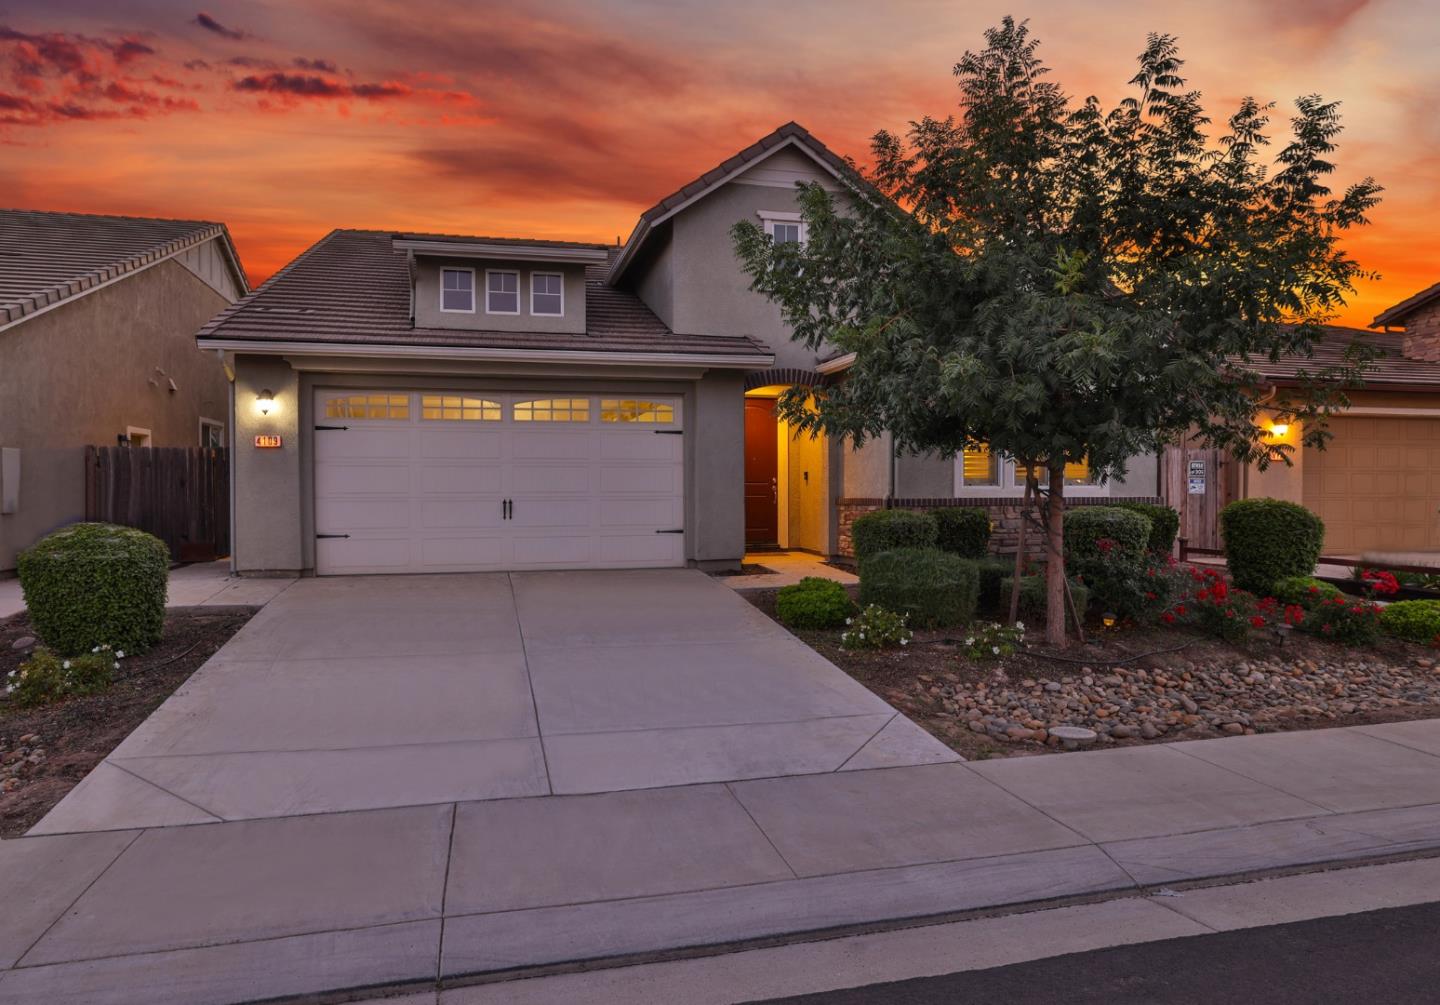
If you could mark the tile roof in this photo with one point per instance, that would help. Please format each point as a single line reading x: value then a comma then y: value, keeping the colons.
x: 1396, y: 315
x: 1391, y: 369
x: 49, y: 257
x: 353, y: 288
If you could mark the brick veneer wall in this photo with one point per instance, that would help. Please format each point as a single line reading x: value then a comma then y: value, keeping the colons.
x: 1004, y: 515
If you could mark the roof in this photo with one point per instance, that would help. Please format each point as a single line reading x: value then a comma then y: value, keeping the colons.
x: 352, y: 289
x: 790, y: 134
x: 1396, y: 315
x: 47, y: 258
x: 1390, y: 369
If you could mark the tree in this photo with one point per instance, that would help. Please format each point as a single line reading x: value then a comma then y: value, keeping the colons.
x: 1065, y: 283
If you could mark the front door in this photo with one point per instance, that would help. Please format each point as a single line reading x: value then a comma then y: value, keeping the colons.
x: 762, y: 491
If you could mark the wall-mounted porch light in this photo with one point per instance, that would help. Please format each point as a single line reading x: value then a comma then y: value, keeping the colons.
x: 1277, y: 429
x: 265, y: 402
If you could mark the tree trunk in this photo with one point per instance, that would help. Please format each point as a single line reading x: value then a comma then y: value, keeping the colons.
x: 1020, y: 552
x: 1055, y: 561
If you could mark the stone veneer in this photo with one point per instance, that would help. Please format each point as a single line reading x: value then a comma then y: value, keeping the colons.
x: 1422, y: 333
x: 1004, y: 517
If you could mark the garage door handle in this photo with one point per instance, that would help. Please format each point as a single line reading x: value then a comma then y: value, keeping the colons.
x: 319, y: 536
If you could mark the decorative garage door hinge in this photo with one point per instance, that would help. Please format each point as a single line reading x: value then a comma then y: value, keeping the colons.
x: 332, y: 427
x: 677, y: 530
x: 668, y: 432
x: 318, y: 536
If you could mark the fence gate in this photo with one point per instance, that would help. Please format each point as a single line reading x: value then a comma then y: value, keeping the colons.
x: 1199, y: 482
x: 179, y: 494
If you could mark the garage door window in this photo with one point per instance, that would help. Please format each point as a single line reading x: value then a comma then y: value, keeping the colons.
x: 553, y: 410
x: 638, y: 410
x: 456, y: 408
x: 368, y: 406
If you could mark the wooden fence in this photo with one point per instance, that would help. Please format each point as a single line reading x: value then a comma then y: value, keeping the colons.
x: 179, y: 494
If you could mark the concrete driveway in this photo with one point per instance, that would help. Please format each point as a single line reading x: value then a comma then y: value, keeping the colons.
x: 372, y: 692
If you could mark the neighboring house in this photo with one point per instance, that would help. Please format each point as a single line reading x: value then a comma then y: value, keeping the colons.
x: 417, y: 402
x: 97, y: 323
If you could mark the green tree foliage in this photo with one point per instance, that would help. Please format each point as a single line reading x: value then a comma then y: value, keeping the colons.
x: 1067, y: 282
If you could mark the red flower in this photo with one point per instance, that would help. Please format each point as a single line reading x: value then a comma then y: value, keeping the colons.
x: 1294, y: 614
x: 1169, y: 619
x: 1149, y: 595
x: 1180, y: 609
x: 1258, y: 621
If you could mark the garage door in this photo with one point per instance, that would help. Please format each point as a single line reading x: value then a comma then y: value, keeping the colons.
x: 428, y: 481
x: 1377, y: 485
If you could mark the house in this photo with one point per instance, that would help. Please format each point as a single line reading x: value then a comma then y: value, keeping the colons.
x: 427, y: 402
x: 97, y: 322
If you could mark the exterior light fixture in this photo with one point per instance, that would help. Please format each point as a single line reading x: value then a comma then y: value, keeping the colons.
x: 265, y: 401
x: 1279, y: 428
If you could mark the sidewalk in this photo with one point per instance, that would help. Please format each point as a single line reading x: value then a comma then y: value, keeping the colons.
x: 408, y: 897
x: 207, y: 584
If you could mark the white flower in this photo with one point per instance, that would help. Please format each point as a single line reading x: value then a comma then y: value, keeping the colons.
x: 95, y: 650
x: 849, y: 621
x: 120, y: 654
x: 904, y: 642
x: 970, y: 641
x: 995, y: 650
x: 1020, y: 625
x: 115, y: 666
x: 65, y: 665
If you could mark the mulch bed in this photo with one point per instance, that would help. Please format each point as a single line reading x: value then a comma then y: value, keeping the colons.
x: 45, y: 751
x: 1176, y: 684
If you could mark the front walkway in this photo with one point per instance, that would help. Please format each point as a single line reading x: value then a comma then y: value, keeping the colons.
x: 203, y: 584
x: 786, y: 568
x: 367, y: 692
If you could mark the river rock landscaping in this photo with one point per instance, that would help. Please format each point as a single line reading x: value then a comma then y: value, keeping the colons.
x: 1135, y: 686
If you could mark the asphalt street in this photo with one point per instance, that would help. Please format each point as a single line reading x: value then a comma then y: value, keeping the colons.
x: 1378, y: 956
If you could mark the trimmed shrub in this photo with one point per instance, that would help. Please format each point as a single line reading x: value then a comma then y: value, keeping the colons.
x: 94, y: 584
x: 1267, y: 540
x: 1105, y: 547
x: 1088, y: 528
x: 814, y: 602
x: 1346, y: 620
x: 993, y: 572
x: 933, y: 587
x: 888, y: 529
x: 1032, y: 596
x: 1412, y: 620
x: 1306, y: 591
x: 1164, y: 524
x: 962, y: 530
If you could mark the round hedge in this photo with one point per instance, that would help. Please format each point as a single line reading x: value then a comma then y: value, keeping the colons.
x: 94, y: 584
x: 888, y: 529
x: 962, y: 530
x: 933, y: 587
x: 1306, y: 591
x: 1267, y: 540
x: 813, y: 602
x: 1412, y: 620
x: 1164, y: 524
x: 1086, y: 526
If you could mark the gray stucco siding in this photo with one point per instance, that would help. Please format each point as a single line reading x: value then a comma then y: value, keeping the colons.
x: 274, y: 489
x: 427, y: 297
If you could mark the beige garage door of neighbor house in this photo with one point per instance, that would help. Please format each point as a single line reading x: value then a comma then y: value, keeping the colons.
x: 431, y: 481
x: 1377, y: 485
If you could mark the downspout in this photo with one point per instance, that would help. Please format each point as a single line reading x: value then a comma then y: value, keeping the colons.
x: 894, y: 472
x: 233, y: 440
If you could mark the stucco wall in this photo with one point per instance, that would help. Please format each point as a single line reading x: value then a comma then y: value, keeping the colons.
x: 656, y: 275
x: 427, y: 297
x: 712, y: 294
x: 274, y: 491
x: 80, y: 374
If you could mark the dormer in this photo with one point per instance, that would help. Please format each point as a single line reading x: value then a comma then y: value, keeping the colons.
x: 498, y: 284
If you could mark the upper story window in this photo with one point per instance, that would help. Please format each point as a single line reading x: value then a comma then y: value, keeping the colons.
x: 547, y: 294
x: 783, y: 228
x: 502, y: 292
x: 457, y: 291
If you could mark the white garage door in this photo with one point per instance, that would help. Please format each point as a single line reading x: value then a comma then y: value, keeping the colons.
x: 426, y: 481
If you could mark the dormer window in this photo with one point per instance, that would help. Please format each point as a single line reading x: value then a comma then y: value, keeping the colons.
x: 502, y: 292
x: 547, y: 294
x: 783, y: 228
x: 457, y: 291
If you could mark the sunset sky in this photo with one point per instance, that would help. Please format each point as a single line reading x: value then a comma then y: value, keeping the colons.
x: 563, y: 119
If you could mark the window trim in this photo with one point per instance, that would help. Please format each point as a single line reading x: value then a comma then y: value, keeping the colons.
x: 456, y: 310
x: 212, y: 422
x: 547, y: 314
x: 768, y: 219
x: 131, y: 431
x: 1007, y: 489
x: 518, y: 298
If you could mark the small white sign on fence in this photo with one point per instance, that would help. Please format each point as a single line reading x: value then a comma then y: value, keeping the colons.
x: 1195, y: 478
